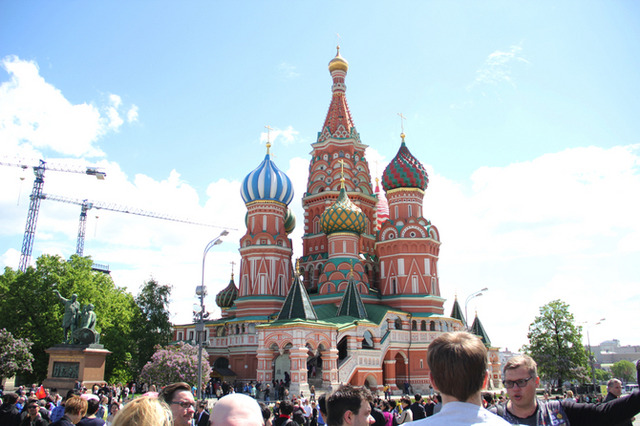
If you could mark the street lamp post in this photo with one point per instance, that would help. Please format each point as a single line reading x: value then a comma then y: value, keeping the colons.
x: 201, y: 291
x: 466, y: 302
x: 591, y: 356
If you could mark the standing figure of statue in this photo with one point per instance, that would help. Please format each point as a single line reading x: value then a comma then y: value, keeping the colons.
x: 71, y: 314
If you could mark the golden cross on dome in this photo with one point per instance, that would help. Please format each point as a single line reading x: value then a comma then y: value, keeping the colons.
x: 341, y: 173
x: 232, y: 265
x: 338, y: 38
x: 402, y: 118
x: 269, y: 128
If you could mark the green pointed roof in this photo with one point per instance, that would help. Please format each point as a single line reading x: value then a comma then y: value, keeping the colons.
x: 297, y: 304
x: 456, y: 312
x: 351, y: 304
x: 478, y: 330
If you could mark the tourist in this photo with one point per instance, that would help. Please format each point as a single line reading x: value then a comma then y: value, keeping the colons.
x: 458, y: 370
x: 74, y: 410
x: 236, y: 410
x: 349, y: 405
x: 93, y: 404
x: 180, y: 400
x: 406, y: 415
x: 33, y: 417
x: 144, y: 411
x: 521, y: 380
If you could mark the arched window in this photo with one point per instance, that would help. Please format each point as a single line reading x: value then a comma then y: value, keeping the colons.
x: 432, y: 326
x: 367, y: 342
x: 423, y: 326
x: 414, y: 325
x: 398, y: 324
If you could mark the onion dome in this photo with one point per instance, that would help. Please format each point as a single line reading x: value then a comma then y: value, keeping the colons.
x: 289, y: 221
x: 338, y: 63
x: 343, y: 216
x: 267, y: 182
x: 404, y: 171
x: 226, y: 297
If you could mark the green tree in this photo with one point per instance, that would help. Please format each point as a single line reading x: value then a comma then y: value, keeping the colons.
x: 15, y: 356
x: 602, y: 375
x: 624, y: 370
x: 152, y: 322
x: 555, y: 342
x: 29, y: 309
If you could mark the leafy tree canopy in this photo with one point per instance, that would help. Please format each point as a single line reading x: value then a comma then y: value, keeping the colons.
x: 172, y: 364
x: 152, y: 324
x: 15, y: 355
x: 29, y: 309
x: 624, y: 370
x: 555, y: 342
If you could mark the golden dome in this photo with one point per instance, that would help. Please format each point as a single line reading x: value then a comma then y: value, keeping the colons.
x: 338, y: 63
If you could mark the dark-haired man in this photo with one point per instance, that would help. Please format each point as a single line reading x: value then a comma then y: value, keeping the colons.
x: 179, y: 398
x: 523, y: 408
x: 458, y: 370
x: 351, y: 406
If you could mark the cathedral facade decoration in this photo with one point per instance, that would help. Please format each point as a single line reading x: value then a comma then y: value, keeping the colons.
x: 363, y: 302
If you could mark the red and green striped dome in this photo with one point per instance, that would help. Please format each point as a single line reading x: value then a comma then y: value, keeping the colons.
x: 343, y: 216
x: 404, y: 171
x: 226, y: 297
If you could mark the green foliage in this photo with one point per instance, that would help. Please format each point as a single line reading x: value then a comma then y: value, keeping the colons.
x: 29, y: 308
x: 602, y: 375
x: 624, y: 370
x: 172, y: 364
x: 15, y: 356
x: 555, y: 342
x: 152, y: 325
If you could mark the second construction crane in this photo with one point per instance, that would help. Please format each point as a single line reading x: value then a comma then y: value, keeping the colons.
x: 86, y: 205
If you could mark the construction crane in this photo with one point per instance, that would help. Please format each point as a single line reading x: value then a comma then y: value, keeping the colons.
x: 86, y: 205
x: 36, y: 196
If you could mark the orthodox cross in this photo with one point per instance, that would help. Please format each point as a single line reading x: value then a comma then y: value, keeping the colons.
x: 402, y: 118
x: 341, y: 173
x: 269, y: 128
x: 232, y: 265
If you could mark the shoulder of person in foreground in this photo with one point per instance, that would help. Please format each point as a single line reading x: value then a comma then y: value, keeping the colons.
x: 462, y: 413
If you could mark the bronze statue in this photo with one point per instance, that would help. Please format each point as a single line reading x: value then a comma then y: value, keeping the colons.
x: 70, y: 319
x: 79, y: 325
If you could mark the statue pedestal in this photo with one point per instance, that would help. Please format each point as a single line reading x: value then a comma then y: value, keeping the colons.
x: 71, y: 363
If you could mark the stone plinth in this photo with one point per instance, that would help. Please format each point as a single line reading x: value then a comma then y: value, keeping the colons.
x: 71, y: 363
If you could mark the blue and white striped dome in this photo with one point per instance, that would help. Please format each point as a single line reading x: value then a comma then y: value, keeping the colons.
x: 267, y: 182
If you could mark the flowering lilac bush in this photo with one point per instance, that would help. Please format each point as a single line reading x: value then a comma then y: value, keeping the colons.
x: 15, y: 355
x: 178, y: 363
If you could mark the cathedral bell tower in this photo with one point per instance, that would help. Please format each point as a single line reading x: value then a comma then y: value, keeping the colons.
x: 337, y: 150
x: 408, y: 244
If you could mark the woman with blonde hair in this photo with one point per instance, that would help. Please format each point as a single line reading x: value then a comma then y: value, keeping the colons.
x: 144, y: 411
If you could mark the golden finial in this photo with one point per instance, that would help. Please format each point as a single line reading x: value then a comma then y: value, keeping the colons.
x: 402, y: 118
x: 341, y: 173
x: 269, y: 128
x: 232, y: 265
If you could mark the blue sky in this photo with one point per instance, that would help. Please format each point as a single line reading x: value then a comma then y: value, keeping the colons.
x: 524, y: 113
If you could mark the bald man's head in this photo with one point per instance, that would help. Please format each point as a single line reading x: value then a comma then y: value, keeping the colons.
x: 236, y: 410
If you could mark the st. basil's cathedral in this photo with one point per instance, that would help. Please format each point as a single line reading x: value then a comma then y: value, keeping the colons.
x: 364, y: 301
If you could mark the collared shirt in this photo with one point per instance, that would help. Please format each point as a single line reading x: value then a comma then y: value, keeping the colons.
x: 462, y: 413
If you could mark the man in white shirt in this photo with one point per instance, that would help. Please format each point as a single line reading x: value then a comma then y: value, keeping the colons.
x: 458, y: 370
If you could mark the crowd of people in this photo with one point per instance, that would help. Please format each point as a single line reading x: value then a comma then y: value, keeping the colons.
x: 458, y: 372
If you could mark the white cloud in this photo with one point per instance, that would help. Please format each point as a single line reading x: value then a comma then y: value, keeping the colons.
x: 287, y: 136
x: 560, y: 226
x: 132, y: 114
x: 288, y: 70
x: 35, y: 115
x: 498, y: 66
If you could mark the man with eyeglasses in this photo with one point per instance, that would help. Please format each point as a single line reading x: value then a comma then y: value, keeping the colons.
x: 179, y: 398
x: 523, y: 408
